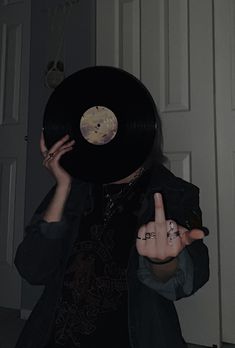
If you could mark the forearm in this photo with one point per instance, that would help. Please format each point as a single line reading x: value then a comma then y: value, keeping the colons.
x: 55, y: 209
x: 179, y: 285
x: 165, y: 271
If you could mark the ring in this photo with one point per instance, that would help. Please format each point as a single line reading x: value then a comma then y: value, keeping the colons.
x: 150, y: 235
x: 45, y: 153
x: 140, y: 238
x: 173, y: 234
x: 173, y: 225
x: 51, y: 155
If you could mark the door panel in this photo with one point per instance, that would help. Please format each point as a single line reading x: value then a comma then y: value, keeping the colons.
x: 118, y: 34
x: 14, y: 75
x: 179, y: 74
x: 175, y: 58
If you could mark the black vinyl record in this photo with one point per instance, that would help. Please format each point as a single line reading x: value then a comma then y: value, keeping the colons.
x: 112, y: 118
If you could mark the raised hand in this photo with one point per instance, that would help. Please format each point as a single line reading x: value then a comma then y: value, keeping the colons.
x: 52, y: 158
x: 163, y: 239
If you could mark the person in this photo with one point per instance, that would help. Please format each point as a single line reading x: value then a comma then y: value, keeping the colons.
x: 113, y: 257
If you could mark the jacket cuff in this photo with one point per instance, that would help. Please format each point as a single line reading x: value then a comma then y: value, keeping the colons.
x: 51, y: 230
x: 179, y: 285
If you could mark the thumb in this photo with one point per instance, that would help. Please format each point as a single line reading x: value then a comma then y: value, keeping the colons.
x: 190, y: 236
x: 196, y: 234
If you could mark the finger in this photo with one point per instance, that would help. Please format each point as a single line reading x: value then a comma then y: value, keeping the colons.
x: 159, y: 208
x: 59, y: 143
x: 150, y: 226
x: 184, y: 235
x: 190, y: 236
x: 172, y: 225
x: 175, y: 244
x: 53, y: 161
x: 52, y: 155
x: 182, y: 230
x: 141, y: 233
x: 66, y: 145
x: 61, y: 152
x: 160, y: 222
x: 141, y: 241
x: 196, y: 234
x: 43, y: 147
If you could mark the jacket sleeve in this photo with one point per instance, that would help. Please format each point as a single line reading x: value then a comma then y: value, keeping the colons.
x: 193, y: 267
x: 198, y: 251
x: 39, y: 254
x: 44, y: 249
x: 180, y: 285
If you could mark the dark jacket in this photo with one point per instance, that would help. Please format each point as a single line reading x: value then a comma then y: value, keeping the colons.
x: 153, y: 322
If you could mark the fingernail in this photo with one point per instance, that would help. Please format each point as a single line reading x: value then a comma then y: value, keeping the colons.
x: 157, y: 195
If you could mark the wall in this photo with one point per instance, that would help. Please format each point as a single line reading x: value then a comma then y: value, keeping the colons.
x: 79, y: 52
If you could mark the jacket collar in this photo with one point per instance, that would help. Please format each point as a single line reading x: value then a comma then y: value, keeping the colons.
x: 162, y: 178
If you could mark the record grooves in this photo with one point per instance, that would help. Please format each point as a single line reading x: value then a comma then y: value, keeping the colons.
x: 111, y: 116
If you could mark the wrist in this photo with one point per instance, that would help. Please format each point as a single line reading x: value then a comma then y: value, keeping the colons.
x: 63, y: 191
x: 160, y: 262
x: 64, y: 187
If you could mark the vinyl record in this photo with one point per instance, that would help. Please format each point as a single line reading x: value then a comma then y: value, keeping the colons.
x: 111, y: 116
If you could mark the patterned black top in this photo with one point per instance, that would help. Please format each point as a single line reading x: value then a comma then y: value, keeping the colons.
x: 92, y: 311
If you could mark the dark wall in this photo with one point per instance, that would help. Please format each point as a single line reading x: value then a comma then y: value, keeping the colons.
x: 78, y: 52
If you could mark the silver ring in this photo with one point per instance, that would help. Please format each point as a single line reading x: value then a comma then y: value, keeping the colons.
x: 150, y: 235
x: 140, y: 238
x: 173, y: 225
x: 173, y: 234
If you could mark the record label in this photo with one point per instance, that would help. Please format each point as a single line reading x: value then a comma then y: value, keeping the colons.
x: 98, y: 125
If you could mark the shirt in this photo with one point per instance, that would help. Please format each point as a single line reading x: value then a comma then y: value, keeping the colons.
x: 92, y: 310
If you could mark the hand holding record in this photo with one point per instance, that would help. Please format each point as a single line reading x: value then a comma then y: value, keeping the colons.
x: 112, y: 117
x: 52, y: 158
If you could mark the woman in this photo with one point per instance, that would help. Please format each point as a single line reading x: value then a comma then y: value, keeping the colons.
x: 112, y: 257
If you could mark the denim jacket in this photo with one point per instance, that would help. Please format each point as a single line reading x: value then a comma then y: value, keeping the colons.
x: 42, y: 257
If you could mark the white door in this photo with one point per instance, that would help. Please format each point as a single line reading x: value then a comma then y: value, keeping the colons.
x: 14, y: 75
x: 169, y: 45
x: 225, y: 115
